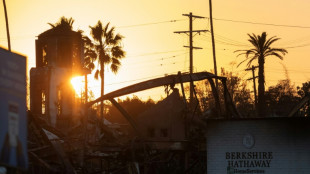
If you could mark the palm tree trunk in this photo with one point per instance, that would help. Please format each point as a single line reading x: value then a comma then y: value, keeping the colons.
x: 261, y: 87
x: 102, y: 88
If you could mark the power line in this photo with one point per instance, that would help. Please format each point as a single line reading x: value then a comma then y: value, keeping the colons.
x: 258, y: 23
x: 138, y: 62
x: 19, y: 37
x: 291, y: 71
x: 296, y: 40
x: 230, y: 40
x: 298, y: 46
x: 153, y: 23
x: 153, y: 65
x: 157, y: 58
x: 152, y: 53
x: 226, y: 41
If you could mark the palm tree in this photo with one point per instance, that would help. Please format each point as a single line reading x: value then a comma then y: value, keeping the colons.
x: 109, y: 52
x: 262, y: 49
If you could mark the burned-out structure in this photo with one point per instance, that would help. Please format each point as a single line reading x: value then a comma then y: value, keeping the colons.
x: 59, y: 57
x: 66, y: 136
x: 164, y: 138
x: 171, y: 137
x: 164, y: 123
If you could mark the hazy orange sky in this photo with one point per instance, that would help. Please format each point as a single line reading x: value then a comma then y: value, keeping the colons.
x: 153, y: 50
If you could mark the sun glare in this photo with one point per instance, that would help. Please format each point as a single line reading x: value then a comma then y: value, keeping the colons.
x: 78, y: 84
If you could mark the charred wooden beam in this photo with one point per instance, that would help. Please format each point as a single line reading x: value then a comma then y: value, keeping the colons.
x: 167, y: 80
x: 299, y: 105
x: 126, y: 115
x: 42, y: 162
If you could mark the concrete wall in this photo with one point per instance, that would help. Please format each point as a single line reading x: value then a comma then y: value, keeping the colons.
x: 51, y: 80
x: 60, y: 79
x: 276, y: 145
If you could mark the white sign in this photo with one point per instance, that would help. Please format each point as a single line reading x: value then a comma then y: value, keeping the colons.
x: 269, y: 146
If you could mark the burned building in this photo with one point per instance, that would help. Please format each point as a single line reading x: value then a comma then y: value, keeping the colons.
x: 59, y: 57
x: 164, y: 123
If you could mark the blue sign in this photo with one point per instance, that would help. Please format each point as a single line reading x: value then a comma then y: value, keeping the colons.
x: 13, y: 115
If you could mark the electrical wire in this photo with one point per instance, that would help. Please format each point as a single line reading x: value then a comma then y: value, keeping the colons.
x: 153, y: 23
x: 152, y: 53
x: 298, y: 46
x: 138, y: 63
x: 258, y: 23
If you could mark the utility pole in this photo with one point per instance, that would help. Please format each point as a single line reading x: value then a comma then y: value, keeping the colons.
x: 191, y: 47
x: 7, y: 26
x: 254, y: 84
x: 213, y: 42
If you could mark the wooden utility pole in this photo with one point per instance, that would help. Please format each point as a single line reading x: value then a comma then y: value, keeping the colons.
x: 191, y: 47
x: 7, y: 26
x: 254, y: 83
x: 213, y: 42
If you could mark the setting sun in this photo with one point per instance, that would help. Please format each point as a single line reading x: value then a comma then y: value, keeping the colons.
x: 78, y: 85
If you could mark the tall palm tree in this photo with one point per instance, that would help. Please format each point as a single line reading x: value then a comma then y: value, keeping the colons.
x: 262, y: 49
x: 109, y: 51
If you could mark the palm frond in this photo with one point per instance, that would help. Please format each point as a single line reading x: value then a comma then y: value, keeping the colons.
x: 87, y: 42
x: 251, y: 52
x: 109, y: 36
x: 274, y: 54
x: 253, y: 40
x: 117, y: 39
x: 105, y: 29
x: 238, y: 51
x: 91, y: 66
x: 90, y: 54
x: 114, y: 68
x: 52, y: 25
x: 116, y: 61
x: 242, y: 62
x: 271, y: 41
x: 96, y: 74
x: 251, y: 60
x: 107, y: 59
x: 278, y: 51
x: 281, y: 50
x: 246, y: 52
x: 117, y: 52
x: 97, y: 31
